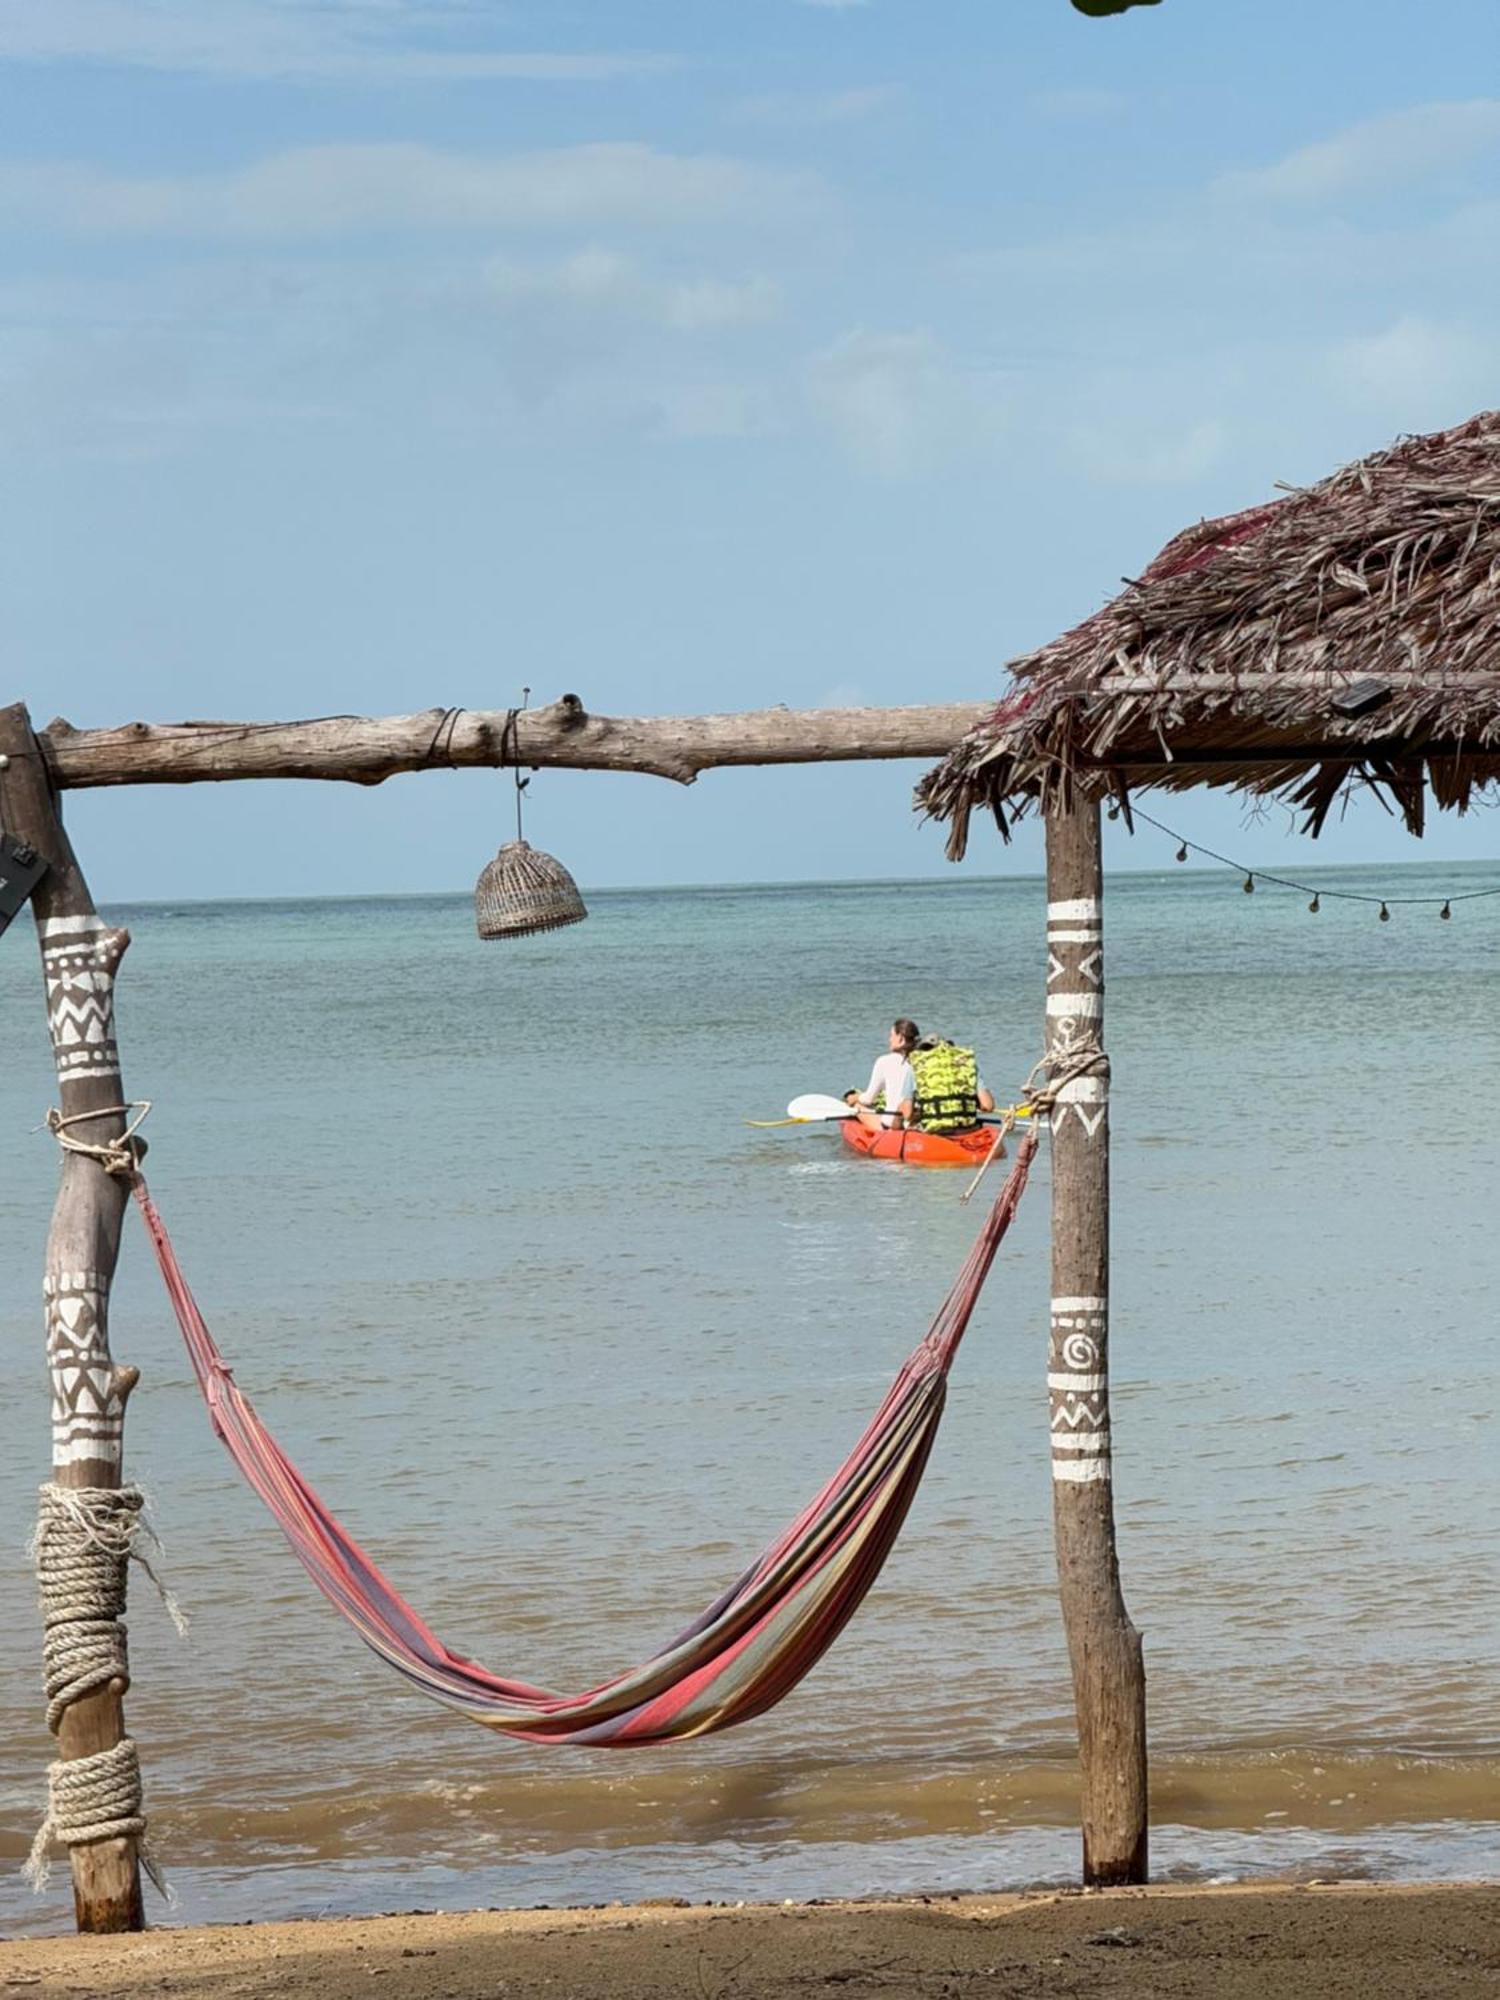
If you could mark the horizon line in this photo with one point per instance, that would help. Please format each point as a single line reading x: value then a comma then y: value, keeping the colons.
x: 966, y: 881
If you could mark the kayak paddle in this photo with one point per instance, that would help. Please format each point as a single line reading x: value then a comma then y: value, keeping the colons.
x: 813, y: 1109
x: 817, y: 1108
x: 816, y: 1105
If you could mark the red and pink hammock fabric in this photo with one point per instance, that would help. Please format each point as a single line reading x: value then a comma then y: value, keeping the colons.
x: 736, y: 1660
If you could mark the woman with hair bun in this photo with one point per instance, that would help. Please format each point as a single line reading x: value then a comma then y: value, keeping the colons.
x: 889, y: 1098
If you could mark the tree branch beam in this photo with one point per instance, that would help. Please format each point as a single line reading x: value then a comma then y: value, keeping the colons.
x: 1299, y: 681
x: 366, y: 750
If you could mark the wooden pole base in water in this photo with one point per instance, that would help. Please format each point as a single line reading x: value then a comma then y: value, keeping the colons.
x: 1109, y: 1677
x: 79, y: 960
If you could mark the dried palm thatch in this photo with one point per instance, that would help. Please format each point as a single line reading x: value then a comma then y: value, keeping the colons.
x: 1228, y: 662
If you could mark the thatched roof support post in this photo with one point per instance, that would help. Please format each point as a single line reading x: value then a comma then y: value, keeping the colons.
x: 1109, y: 1678
x: 80, y: 957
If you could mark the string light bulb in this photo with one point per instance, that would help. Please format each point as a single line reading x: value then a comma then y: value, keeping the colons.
x: 1123, y: 807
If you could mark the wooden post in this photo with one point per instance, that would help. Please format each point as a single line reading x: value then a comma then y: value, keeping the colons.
x: 1109, y: 1678
x: 79, y: 961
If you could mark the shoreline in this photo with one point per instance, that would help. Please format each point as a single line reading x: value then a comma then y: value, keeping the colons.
x: 1234, y: 1940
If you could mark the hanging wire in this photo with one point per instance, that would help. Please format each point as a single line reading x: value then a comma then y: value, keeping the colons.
x: 510, y: 752
x: 1254, y: 875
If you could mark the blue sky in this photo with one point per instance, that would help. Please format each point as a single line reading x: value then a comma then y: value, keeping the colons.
x: 367, y: 356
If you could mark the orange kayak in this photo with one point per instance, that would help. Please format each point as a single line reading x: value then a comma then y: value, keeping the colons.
x: 920, y: 1149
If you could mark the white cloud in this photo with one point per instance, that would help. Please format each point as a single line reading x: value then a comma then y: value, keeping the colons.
x: 346, y: 190
x: 814, y: 108
x: 899, y: 403
x: 600, y: 280
x: 1190, y: 342
x: 1079, y: 106
x: 587, y: 346
x: 706, y: 304
x: 1398, y: 151
x: 1418, y: 372
x: 707, y: 410
x: 1185, y: 260
x: 392, y: 40
x: 1117, y: 452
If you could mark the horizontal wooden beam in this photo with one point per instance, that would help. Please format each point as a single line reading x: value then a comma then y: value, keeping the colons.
x: 1114, y: 681
x: 1388, y: 748
x: 1413, y: 750
x: 366, y: 750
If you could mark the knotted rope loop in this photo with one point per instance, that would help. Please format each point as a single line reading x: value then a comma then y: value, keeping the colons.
x: 117, y: 1156
x: 1036, y: 1100
x: 1062, y: 1068
x: 93, y: 1798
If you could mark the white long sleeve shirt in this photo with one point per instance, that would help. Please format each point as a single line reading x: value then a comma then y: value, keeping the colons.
x: 893, y: 1080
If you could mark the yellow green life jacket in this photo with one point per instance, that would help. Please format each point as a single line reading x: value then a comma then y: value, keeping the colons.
x: 947, y: 1087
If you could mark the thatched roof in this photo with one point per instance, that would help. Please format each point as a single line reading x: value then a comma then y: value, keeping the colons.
x: 1225, y: 664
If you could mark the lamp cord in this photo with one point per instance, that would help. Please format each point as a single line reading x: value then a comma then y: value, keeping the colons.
x: 510, y: 751
x: 1254, y: 875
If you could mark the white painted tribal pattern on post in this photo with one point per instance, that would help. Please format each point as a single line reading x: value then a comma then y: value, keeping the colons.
x: 1078, y: 1389
x: 79, y: 957
x: 1075, y: 1007
x: 87, y: 1413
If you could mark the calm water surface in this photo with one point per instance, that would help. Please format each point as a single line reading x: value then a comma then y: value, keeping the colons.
x: 564, y: 1341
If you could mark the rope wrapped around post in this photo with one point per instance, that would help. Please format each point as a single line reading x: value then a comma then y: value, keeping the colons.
x: 1083, y: 1059
x: 85, y: 1540
x: 1038, y: 1099
x: 82, y: 1549
x: 117, y: 1156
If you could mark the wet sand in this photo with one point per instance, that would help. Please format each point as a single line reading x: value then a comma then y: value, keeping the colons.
x: 1336, y: 1942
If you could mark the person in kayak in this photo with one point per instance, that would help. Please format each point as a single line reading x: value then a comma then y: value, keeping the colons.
x: 889, y: 1098
x: 950, y: 1092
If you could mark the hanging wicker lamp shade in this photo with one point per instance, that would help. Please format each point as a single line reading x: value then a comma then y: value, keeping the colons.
x: 523, y: 890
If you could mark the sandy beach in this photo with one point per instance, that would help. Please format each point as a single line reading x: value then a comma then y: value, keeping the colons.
x: 1331, y: 1941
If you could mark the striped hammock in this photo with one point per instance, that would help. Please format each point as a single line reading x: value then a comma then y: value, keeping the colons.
x: 735, y: 1661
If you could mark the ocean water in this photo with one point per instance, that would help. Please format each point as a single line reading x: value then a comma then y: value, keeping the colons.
x: 565, y: 1341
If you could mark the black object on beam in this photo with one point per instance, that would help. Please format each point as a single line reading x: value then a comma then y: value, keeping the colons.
x: 1360, y: 699
x: 21, y: 868
x: 1098, y: 9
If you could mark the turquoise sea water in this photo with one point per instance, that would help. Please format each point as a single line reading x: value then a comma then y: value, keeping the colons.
x: 565, y: 1342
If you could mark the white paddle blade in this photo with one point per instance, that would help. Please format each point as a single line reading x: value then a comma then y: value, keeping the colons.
x: 816, y: 1105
